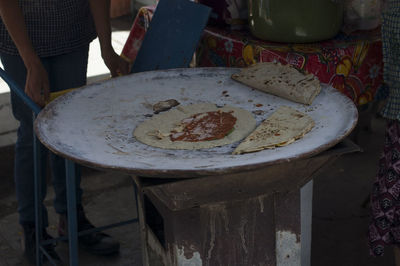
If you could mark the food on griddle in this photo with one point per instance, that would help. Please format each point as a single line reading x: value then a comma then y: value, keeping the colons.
x: 281, y: 80
x: 162, y: 106
x: 283, y: 127
x: 196, y: 126
x: 204, y: 127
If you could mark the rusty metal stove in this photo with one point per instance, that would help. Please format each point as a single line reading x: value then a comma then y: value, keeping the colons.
x: 260, y: 217
x: 203, y: 207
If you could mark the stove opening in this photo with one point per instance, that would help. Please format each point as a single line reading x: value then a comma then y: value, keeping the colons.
x: 154, y: 220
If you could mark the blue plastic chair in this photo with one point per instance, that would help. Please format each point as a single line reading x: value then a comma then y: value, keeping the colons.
x: 170, y: 42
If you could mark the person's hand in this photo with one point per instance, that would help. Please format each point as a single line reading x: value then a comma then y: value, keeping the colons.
x: 116, y: 64
x: 37, y: 83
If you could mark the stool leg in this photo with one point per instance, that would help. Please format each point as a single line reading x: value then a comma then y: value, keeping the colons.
x: 38, y: 179
x: 71, y: 211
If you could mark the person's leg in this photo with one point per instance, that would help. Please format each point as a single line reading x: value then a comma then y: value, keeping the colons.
x: 69, y: 71
x: 66, y: 71
x: 23, y: 163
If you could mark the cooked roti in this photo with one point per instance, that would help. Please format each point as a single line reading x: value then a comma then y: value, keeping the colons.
x: 281, y: 80
x: 187, y: 127
x: 283, y: 127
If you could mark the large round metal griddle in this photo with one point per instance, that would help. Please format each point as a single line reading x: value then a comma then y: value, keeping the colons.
x: 93, y: 125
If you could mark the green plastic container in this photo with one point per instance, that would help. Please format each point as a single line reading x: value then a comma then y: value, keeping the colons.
x: 295, y: 21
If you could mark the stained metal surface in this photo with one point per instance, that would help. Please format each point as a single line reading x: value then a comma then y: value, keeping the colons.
x: 93, y: 125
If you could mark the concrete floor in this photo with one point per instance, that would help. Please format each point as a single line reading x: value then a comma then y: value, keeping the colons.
x: 339, y: 218
x: 108, y: 198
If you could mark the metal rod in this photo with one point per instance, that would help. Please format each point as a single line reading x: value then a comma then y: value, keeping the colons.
x: 135, y: 189
x: 20, y: 92
x: 92, y: 230
x: 38, y: 180
x: 44, y: 251
x: 306, y: 193
x: 71, y: 211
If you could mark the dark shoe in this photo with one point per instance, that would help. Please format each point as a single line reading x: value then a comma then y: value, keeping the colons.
x: 29, y: 245
x: 97, y: 243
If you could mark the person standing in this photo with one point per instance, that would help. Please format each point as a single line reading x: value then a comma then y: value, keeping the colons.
x: 384, y: 228
x: 44, y: 48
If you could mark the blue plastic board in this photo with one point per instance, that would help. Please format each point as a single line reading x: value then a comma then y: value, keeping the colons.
x: 172, y: 36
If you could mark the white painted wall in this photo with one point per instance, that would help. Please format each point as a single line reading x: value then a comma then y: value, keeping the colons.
x: 8, y: 124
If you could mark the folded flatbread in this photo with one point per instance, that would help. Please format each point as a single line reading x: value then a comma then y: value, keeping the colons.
x: 283, y: 127
x: 281, y: 80
x: 160, y: 130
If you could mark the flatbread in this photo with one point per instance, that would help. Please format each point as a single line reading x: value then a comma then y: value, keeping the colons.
x: 156, y: 130
x: 283, y: 127
x: 281, y: 80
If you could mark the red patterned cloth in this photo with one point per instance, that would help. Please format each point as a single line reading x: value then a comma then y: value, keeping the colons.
x: 384, y: 228
x: 136, y: 35
x: 350, y: 63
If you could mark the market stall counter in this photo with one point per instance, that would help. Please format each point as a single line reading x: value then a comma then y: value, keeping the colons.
x: 350, y: 63
x: 204, y: 206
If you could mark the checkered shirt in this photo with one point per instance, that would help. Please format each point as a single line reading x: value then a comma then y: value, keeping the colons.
x: 391, y: 58
x: 54, y: 26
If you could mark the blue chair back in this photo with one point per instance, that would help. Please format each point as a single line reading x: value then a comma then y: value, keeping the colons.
x: 172, y: 36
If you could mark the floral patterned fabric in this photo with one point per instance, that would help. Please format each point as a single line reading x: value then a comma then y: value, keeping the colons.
x: 350, y: 63
x: 136, y: 35
x: 384, y: 228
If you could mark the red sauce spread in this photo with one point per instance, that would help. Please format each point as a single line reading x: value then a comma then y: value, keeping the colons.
x: 205, y: 126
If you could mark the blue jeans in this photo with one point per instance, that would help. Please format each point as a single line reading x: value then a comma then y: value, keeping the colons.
x: 64, y: 71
